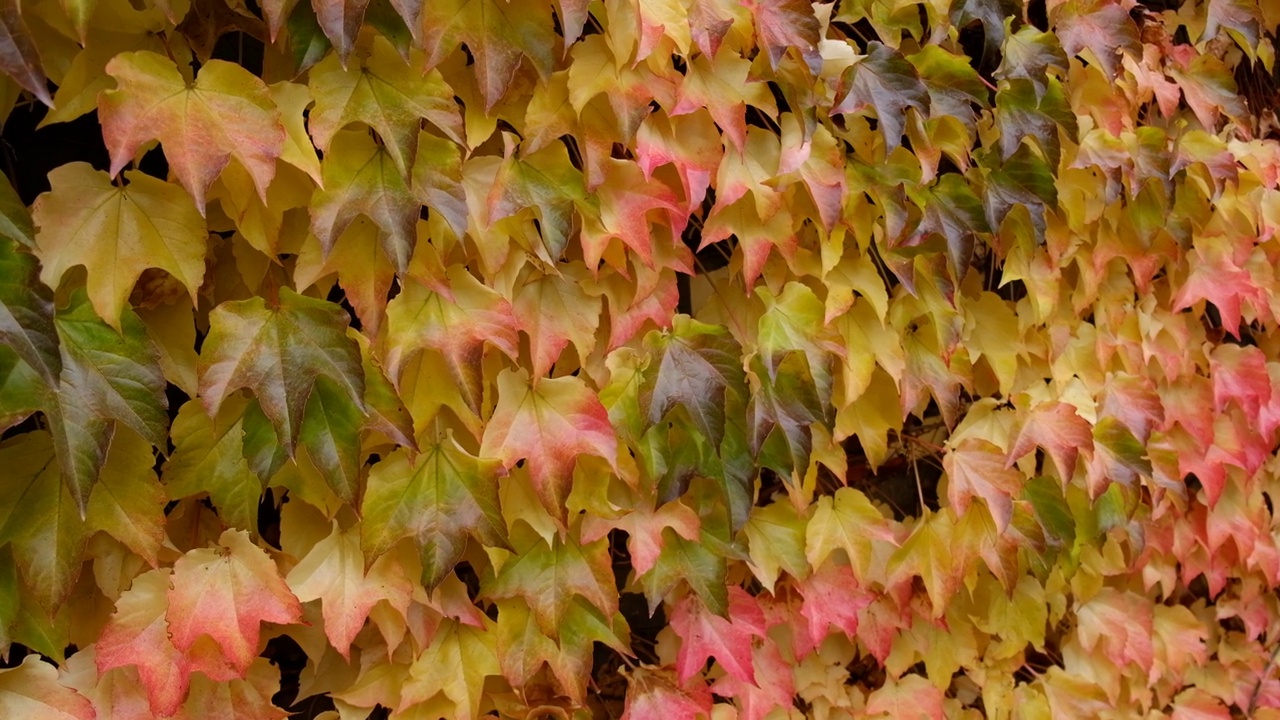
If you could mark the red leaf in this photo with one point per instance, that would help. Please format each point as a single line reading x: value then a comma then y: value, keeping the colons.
x: 977, y: 468
x: 704, y: 635
x: 832, y: 597
x: 1062, y: 433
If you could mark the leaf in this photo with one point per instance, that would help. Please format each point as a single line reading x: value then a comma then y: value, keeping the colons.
x: 976, y: 468
x: 783, y: 404
x: 456, y: 663
x: 846, y: 521
x: 775, y: 541
x: 1029, y: 55
x: 1105, y: 29
x: 1056, y: 427
x: 117, y: 233
x: 458, y: 325
x: 360, y: 178
x: 277, y: 353
x: 548, y: 425
x: 439, y: 498
x: 697, y: 366
x: 1023, y: 110
x: 330, y: 433
x: 26, y: 313
x: 209, y: 456
x: 248, y: 698
x: 107, y: 377
x: 724, y: 87
x: 334, y: 572
x: 992, y: 14
x: 227, y: 113
x: 705, y: 635
x: 1119, y: 623
x: 911, y: 696
x: 41, y: 520
x: 545, y: 181
x: 15, y: 219
x: 937, y: 553
x: 385, y: 93
x: 128, y: 502
x: 18, y: 56
x: 554, y: 310
x: 785, y: 24
x: 340, y: 20
x: 653, y: 695
x: 832, y: 598
x: 32, y: 690
x: 137, y: 634
x: 437, y: 180
x: 225, y: 593
x: 888, y: 84
x: 498, y: 34
x: 547, y: 577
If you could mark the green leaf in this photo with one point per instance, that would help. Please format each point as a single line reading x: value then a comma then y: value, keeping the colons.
x: 546, y: 181
x: 331, y: 434
x: 952, y: 209
x: 1025, y: 179
x: 783, y: 404
x: 15, y: 219
x: 887, y: 83
x: 439, y: 498
x: 107, y: 377
x: 954, y: 86
x: 695, y: 366
x: 209, y: 457
x: 128, y: 501
x: 26, y: 311
x: 40, y: 518
x: 1023, y: 110
x: 547, y: 577
x: 277, y: 353
x: 1029, y: 55
x: 22, y: 391
x: 1045, y: 496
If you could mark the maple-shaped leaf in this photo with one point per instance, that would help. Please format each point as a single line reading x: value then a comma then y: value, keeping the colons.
x: 549, y: 576
x: 1024, y: 179
x: 724, y: 87
x: 1029, y: 54
x: 330, y: 433
x: 26, y: 312
x: 887, y: 83
x: 548, y: 425
x: 911, y: 696
x: 785, y: 24
x: 1103, y: 27
x: 1218, y: 276
x: 832, y: 598
x: 32, y: 690
x: 457, y: 325
x: 1024, y: 111
x: 227, y: 113
x: 116, y: 694
x: 794, y: 321
x: 774, y: 687
x: 128, y: 502
x: 938, y: 552
x: 757, y: 235
x: 954, y: 86
x: 116, y: 233
x: 775, y: 542
x: 40, y: 519
x: 704, y: 635
x: 652, y: 694
x: 846, y: 521
x: 137, y: 634
x: 1059, y: 429
x: 334, y: 572
x: 1120, y: 623
x: 361, y: 178
x: 277, y: 353
x: 248, y: 698
x: 108, y: 377
x: 977, y: 467
x: 627, y: 200
x: 210, y: 457
x: 497, y: 33
x: 456, y: 663
x: 784, y: 401
x: 554, y: 310
x: 696, y: 366
x: 545, y: 181
x: 439, y: 498
x: 387, y: 94
x: 691, y: 143
x: 363, y: 269
x: 437, y: 180
x: 226, y: 593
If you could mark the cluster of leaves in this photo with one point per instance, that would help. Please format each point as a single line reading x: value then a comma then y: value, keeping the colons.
x: 875, y: 358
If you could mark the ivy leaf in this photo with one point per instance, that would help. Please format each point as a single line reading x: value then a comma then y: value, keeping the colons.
x: 910, y: 696
x: 846, y: 521
x: 117, y: 233
x: 555, y: 310
x: 455, y: 663
x: 887, y: 83
x: 26, y: 313
x: 696, y: 366
x: 785, y: 24
x: 248, y: 698
x: 653, y: 695
x: 784, y: 401
x: 1056, y: 427
x: 18, y: 56
x: 128, y: 502
x: 439, y: 498
x: 227, y: 113
x: 334, y: 573
x: 498, y: 34
x: 953, y: 210
x: 361, y: 178
x: 549, y: 425
x: 41, y: 519
x: 107, y: 377
x: 209, y: 457
x: 1105, y: 29
x: 457, y: 325
x: 1029, y: 55
x: 437, y: 180
x: 1023, y: 110
x: 977, y: 467
x: 225, y: 594
x: 1025, y: 179
x: 15, y: 219
x: 32, y: 690
x: 992, y: 14
x: 705, y: 635
x: 548, y: 577
x: 277, y: 353
x: 385, y: 93
x: 546, y: 181
x: 137, y: 634
x: 330, y: 432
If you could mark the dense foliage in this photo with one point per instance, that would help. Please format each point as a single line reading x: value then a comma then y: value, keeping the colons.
x: 869, y: 358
